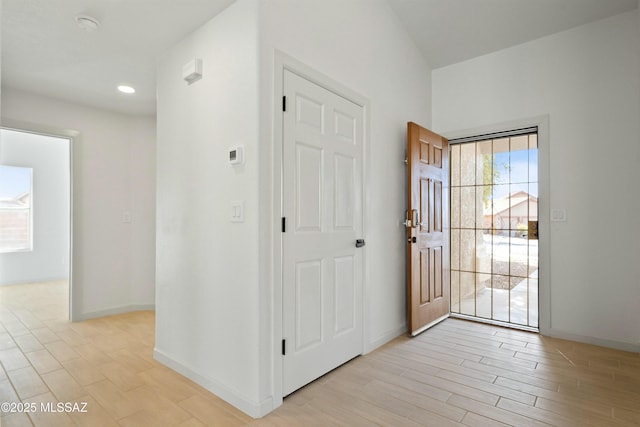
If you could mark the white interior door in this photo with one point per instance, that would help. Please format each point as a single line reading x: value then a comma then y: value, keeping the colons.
x: 322, y: 204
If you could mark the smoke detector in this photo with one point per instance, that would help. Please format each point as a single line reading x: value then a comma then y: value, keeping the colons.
x: 87, y: 23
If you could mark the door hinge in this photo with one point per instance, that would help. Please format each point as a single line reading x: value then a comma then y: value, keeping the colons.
x: 284, y: 224
x: 284, y: 103
x: 284, y: 347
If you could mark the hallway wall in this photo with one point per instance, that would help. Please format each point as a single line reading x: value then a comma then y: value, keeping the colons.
x: 113, y: 173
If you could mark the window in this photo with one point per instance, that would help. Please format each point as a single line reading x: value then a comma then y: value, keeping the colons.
x: 15, y: 209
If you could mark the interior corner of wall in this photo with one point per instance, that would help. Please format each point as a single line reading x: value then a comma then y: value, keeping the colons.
x: 384, y: 338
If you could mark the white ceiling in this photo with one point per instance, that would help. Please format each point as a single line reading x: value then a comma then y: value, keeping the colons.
x: 43, y: 51
x: 451, y: 31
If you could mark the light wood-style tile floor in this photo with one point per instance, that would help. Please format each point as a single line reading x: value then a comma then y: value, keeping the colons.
x: 457, y: 373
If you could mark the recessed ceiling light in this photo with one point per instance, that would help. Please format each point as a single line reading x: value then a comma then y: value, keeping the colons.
x: 126, y: 89
x: 87, y: 23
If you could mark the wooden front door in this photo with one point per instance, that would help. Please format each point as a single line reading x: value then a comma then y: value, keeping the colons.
x: 428, y: 263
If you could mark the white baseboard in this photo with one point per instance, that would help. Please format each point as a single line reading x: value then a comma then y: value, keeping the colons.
x: 249, y: 407
x: 618, y: 345
x: 41, y: 280
x: 114, y: 310
x: 385, y: 338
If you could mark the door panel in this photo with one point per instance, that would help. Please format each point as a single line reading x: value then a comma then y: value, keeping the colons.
x: 345, y: 292
x: 308, y: 304
x: 308, y: 188
x: 438, y: 286
x: 428, y: 238
x: 344, y: 180
x: 425, y: 188
x: 322, y: 269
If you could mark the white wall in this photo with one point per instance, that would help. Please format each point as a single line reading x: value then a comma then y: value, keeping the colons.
x: 49, y: 159
x: 207, y: 276
x: 109, y: 152
x: 141, y: 134
x: 587, y: 81
x: 215, y: 286
x: 362, y: 45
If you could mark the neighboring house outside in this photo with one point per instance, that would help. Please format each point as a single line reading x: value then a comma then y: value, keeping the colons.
x: 511, y: 212
x: 15, y: 223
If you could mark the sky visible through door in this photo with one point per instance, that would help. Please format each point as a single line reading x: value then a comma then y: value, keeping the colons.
x: 14, y: 181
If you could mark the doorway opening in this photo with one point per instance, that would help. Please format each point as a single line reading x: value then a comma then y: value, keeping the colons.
x: 494, y: 233
x: 35, y: 219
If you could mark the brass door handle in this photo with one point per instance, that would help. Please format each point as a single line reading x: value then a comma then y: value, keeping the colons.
x: 412, y: 219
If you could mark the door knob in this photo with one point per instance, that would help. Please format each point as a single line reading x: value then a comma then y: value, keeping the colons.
x: 359, y: 243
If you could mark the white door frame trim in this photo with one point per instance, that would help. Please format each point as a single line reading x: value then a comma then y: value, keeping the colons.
x: 544, y: 209
x: 74, y: 137
x: 285, y: 62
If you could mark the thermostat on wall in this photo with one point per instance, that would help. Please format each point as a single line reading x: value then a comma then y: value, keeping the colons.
x: 236, y: 155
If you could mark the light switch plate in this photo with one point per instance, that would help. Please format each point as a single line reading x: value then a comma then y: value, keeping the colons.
x: 237, y: 211
x: 558, y: 215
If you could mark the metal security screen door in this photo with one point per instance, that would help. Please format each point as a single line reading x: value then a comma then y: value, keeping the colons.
x: 494, y: 214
